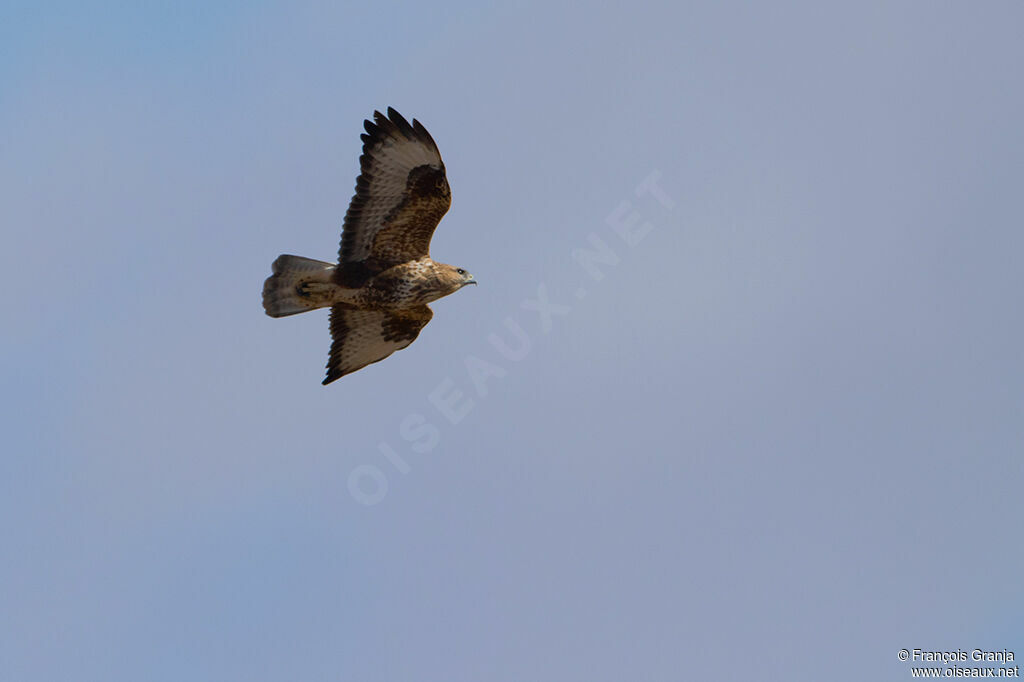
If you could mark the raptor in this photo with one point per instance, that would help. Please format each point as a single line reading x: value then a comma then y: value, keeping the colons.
x: 379, y: 289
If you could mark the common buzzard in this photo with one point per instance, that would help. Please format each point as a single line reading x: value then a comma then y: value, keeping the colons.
x: 379, y: 289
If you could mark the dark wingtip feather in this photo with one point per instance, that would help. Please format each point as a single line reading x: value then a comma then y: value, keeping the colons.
x: 397, y: 118
x: 333, y: 373
x: 395, y: 122
x: 400, y: 122
x: 422, y: 133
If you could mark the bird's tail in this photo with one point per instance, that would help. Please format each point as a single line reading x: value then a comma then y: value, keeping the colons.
x: 283, y: 290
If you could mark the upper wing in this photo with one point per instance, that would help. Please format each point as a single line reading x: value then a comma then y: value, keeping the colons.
x: 365, y: 336
x: 401, y: 194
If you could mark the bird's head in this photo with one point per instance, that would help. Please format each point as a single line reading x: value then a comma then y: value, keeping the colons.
x: 452, y: 278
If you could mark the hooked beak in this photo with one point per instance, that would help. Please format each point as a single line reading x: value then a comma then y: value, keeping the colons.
x: 469, y: 281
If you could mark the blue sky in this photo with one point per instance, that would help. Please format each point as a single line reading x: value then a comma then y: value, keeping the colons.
x: 775, y: 434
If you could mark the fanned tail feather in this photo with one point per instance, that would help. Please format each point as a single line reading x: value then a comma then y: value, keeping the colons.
x: 281, y: 296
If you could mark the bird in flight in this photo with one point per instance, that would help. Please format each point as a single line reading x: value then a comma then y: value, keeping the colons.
x: 379, y: 289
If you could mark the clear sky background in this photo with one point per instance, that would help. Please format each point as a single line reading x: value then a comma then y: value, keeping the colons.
x: 780, y: 438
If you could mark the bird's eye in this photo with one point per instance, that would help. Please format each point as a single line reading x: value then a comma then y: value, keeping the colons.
x: 460, y: 271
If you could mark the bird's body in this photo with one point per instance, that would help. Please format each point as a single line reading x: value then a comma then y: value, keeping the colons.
x: 379, y: 290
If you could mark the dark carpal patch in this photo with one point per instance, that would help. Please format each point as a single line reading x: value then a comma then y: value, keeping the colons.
x: 427, y: 181
x: 396, y: 328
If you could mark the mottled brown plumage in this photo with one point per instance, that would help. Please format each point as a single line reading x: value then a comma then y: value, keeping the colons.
x: 379, y: 289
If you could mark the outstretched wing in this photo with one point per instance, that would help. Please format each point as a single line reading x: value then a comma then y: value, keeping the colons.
x: 362, y: 337
x: 401, y: 195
